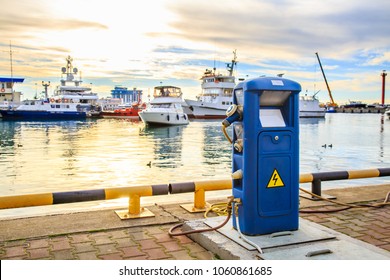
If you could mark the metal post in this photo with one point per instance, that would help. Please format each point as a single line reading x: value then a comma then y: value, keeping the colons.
x: 384, y: 74
x: 316, y: 187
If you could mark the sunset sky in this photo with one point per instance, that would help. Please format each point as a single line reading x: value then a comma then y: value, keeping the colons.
x: 142, y: 43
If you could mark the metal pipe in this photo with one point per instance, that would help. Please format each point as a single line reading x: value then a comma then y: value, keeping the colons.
x: 80, y: 196
x: 199, y: 187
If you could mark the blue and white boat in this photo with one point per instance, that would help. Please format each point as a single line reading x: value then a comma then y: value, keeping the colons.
x: 71, y: 90
x: 71, y: 100
x: 44, y: 110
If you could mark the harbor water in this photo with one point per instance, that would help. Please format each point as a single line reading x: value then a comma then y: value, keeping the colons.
x: 44, y: 157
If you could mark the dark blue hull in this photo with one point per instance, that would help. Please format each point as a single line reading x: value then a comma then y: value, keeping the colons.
x: 40, y: 115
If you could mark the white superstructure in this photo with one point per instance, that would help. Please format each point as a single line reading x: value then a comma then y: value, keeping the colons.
x: 216, y: 95
x: 166, y: 107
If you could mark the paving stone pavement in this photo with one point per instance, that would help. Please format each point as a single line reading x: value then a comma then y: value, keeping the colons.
x: 152, y: 242
x: 146, y: 243
x: 371, y: 225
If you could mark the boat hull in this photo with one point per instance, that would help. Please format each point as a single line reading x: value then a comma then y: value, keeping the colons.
x: 204, y: 111
x: 312, y: 114
x: 40, y: 115
x: 163, y: 118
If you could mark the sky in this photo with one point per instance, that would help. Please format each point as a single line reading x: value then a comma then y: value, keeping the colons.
x: 146, y: 43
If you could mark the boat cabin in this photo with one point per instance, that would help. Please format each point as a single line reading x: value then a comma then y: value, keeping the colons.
x: 167, y: 91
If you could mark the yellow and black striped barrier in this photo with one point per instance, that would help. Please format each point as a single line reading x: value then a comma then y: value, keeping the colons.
x: 197, y: 187
x: 133, y: 193
x: 317, y: 178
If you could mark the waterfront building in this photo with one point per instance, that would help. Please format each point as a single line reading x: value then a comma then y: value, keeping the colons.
x: 7, y: 92
x: 127, y: 96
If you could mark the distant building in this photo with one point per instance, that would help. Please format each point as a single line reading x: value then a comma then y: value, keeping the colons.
x: 127, y: 96
x: 7, y: 92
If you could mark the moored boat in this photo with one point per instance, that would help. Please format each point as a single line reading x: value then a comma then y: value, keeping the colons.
x: 165, y: 108
x: 216, y: 95
x: 44, y: 110
x: 125, y: 113
x: 309, y: 107
x: 71, y: 90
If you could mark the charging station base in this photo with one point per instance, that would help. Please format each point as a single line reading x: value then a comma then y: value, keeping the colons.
x: 310, y: 242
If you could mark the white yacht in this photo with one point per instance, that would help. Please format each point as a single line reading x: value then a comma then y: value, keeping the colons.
x: 216, y: 95
x: 309, y: 107
x: 165, y: 108
x: 71, y: 90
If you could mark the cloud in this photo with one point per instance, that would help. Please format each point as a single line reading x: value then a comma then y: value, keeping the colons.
x: 281, y: 30
x: 35, y: 17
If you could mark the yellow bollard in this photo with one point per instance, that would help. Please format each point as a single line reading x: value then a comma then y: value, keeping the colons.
x: 200, y: 204
x: 134, y: 210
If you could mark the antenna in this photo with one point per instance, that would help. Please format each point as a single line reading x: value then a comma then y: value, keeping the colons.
x: 230, y: 66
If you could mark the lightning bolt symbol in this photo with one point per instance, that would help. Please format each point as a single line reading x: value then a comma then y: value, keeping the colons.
x: 275, y: 178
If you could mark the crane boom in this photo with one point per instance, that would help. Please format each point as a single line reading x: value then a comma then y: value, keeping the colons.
x: 326, y: 82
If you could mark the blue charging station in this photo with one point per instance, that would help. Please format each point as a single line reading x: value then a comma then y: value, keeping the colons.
x: 265, y: 160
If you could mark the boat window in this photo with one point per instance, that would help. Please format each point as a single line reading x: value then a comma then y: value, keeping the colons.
x: 211, y: 91
x: 165, y: 105
x: 228, y: 92
x: 58, y: 106
x: 52, y: 106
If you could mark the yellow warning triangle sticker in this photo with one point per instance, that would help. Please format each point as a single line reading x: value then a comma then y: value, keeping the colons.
x: 275, y: 180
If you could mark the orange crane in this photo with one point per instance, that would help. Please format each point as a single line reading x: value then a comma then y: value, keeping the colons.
x: 332, y: 103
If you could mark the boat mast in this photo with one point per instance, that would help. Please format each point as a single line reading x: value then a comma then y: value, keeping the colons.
x: 230, y: 66
x: 12, y: 72
x: 326, y: 82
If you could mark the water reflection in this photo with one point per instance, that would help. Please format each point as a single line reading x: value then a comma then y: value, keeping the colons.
x: 62, y: 156
x: 216, y: 149
x: 167, y: 145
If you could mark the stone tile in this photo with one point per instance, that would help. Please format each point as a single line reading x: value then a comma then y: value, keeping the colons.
x: 84, y: 247
x: 38, y: 243
x: 206, y: 255
x: 113, y: 256
x: 15, y: 243
x: 63, y: 255
x: 148, y: 244
x: 139, y: 236
x: 117, y: 234
x: 171, y: 246
x: 129, y: 252
x: 102, y: 240
x: 194, y: 248
x: 156, y: 254
x: 371, y: 240
x: 355, y: 227
x: 124, y: 242
x: 181, y: 255
x: 154, y: 230
x: 39, y: 253
x: 87, y: 256
x: 60, y: 245
x: 162, y: 237
x: 18, y: 251
x: 106, y: 249
x: 143, y: 257
x: 359, y: 222
x: 79, y: 238
x: 350, y: 232
x: 184, y: 239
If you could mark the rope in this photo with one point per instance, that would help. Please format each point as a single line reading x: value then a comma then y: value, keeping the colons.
x: 229, y: 213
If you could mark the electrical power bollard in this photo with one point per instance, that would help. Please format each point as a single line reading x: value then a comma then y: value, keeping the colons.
x: 265, y: 160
